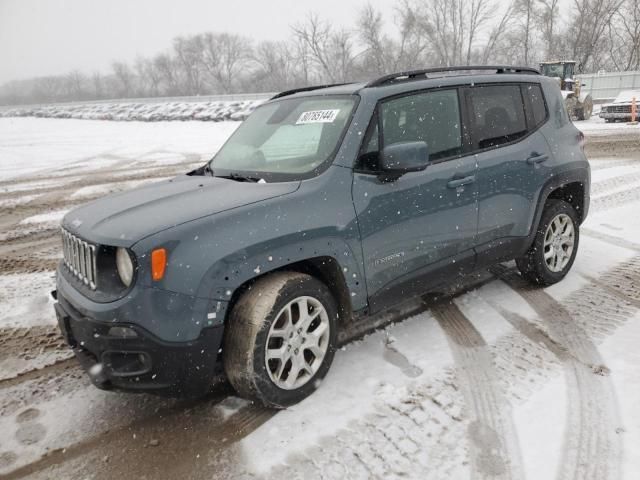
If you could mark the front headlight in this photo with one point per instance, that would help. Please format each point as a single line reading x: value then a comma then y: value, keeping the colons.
x: 124, y: 265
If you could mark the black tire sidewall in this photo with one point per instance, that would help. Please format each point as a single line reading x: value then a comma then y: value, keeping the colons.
x: 553, y: 209
x: 268, y: 392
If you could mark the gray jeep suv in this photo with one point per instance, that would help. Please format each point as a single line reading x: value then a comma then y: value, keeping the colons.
x: 327, y: 205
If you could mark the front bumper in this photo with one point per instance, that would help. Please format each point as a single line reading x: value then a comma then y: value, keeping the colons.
x: 139, y: 361
x: 619, y: 115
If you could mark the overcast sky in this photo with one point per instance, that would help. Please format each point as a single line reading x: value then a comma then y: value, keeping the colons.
x: 42, y: 37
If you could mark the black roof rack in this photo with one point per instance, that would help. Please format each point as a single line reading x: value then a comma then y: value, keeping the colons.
x: 422, y: 74
x: 305, y: 89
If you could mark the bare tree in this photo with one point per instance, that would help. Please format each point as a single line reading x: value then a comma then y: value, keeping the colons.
x: 412, y: 43
x: 493, y: 48
x: 47, y: 89
x: 591, y: 20
x: 224, y: 56
x: 167, y: 69
x: 525, y: 9
x: 124, y: 79
x: 624, y: 37
x: 276, y: 67
x: 453, y: 27
x: 149, y: 77
x: 97, y: 85
x: 378, y: 53
x: 548, y: 16
x: 331, y: 50
x: 74, y: 85
x: 479, y: 13
x: 188, y: 56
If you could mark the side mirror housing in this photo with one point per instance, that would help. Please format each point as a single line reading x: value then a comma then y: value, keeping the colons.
x: 401, y: 158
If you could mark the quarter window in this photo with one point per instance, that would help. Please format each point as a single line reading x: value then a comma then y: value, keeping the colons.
x: 497, y: 115
x: 538, y: 110
x: 432, y: 117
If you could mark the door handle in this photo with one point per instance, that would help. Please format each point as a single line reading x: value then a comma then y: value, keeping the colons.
x: 459, y: 182
x: 537, y: 158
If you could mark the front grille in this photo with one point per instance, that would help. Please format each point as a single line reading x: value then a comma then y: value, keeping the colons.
x: 80, y: 258
x: 619, y: 109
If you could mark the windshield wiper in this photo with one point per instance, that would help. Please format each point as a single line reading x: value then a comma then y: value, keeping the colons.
x: 240, y: 178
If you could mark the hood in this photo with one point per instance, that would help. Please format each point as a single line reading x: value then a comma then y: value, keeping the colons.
x: 625, y: 97
x: 124, y: 218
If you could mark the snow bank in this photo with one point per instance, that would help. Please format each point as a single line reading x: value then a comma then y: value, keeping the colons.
x: 147, y: 112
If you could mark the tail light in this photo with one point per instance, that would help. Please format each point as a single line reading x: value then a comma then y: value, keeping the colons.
x: 581, y: 140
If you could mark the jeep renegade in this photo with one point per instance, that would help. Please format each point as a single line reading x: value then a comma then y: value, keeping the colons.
x: 326, y: 205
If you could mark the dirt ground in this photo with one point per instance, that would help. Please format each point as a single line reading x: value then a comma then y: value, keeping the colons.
x: 459, y: 419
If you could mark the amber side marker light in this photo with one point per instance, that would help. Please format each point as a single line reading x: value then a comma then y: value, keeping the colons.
x: 158, y: 263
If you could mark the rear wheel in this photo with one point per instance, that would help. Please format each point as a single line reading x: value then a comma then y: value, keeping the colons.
x: 555, y: 246
x: 586, y: 109
x: 280, y: 339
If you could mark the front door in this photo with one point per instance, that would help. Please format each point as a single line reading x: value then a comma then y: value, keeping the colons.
x: 420, y: 228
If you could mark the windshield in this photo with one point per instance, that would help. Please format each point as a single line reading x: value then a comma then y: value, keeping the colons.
x: 553, y: 70
x: 290, y: 139
x: 558, y: 70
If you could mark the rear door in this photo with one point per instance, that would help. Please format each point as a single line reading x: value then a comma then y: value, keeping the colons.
x: 420, y: 228
x: 512, y: 157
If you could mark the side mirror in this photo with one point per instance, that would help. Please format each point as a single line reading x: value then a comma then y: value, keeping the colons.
x: 401, y: 158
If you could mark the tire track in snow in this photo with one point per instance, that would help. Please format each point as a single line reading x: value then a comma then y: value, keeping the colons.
x: 418, y: 435
x: 184, y: 432
x: 54, y: 368
x: 610, y: 184
x: 605, y: 164
x: 526, y: 358
x: 592, y: 449
x: 494, y: 442
x: 612, y: 239
x: 614, y: 200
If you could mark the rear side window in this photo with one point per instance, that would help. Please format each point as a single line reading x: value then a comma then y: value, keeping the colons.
x: 535, y: 104
x: 496, y: 115
x: 432, y: 117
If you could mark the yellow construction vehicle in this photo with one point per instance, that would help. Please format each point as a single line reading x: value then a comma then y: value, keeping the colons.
x: 579, y: 104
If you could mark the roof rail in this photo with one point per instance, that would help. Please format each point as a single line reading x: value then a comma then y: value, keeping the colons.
x: 415, y: 74
x: 305, y: 89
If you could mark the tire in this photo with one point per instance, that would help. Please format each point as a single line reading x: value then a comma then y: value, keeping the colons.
x: 533, y: 265
x: 586, y: 108
x: 261, y: 318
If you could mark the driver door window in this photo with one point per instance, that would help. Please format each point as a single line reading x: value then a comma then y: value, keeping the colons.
x: 432, y: 117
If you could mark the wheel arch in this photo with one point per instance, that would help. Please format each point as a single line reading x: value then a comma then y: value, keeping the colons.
x: 573, y: 193
x: 573, y: 187
x: 324, y: 268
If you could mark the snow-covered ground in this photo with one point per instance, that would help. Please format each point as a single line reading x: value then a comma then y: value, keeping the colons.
x: 496, y: 381
x: 48, y: 149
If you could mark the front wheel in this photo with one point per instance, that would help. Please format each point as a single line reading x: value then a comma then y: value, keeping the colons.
x: 555, y: 246
x: 280, y: 339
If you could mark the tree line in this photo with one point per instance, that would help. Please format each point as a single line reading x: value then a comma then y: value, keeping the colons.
x: 598, y: 34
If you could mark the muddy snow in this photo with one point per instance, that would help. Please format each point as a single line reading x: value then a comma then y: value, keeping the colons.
x: 489, y: 379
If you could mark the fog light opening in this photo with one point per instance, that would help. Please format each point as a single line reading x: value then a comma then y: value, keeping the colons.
x: 122, y: 332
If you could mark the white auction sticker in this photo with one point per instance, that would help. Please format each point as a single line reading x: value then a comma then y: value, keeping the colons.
x: 318, y: 116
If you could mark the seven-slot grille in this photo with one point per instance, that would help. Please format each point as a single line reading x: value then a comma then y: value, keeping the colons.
x: 80, y: 258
